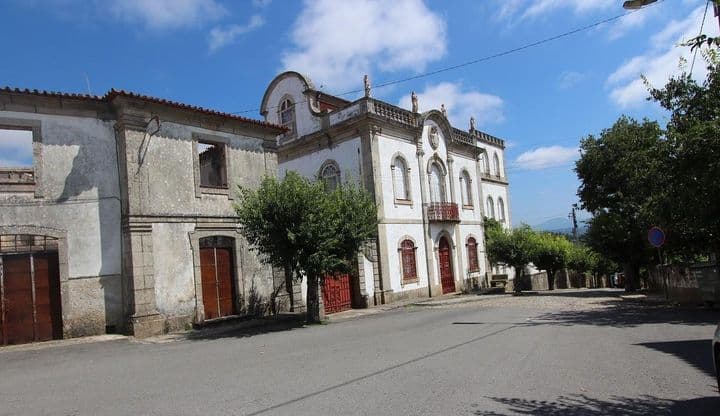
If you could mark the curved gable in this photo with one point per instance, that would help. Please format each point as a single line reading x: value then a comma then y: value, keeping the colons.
x: 307, y: 82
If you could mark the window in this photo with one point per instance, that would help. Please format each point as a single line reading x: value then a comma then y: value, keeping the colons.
x: 17, y: 172
x: 330, y: 174
x: 211, y: 161
x: 496, y: 164
x: 490, y: 208
x: 407, y: 254
x: 472, y: 252
x: 401, y: 184
x: 501, y: 209
x: 286, y: 115
x: 486, y: 163
x: 437, y: 184
x: 466, y: 189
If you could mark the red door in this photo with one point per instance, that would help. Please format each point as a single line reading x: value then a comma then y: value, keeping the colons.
x: 216, y: 273
x: 446, y: 273
x: 30, y: 308
x: 336, y: 293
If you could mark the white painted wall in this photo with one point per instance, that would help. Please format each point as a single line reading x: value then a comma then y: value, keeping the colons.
x: 346, y: 154
x: 395, y: 234
x: 369, y: 277
x: 388, y: 148
x: 496, y: 191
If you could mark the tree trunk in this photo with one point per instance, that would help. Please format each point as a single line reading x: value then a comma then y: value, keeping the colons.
x: 517, y: 287
x: 551, y: 279
x: 289, y: 284
x: 631, y: 272
x: 313, y: 300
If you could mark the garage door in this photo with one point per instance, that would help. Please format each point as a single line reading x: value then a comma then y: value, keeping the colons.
x: 30, y: 298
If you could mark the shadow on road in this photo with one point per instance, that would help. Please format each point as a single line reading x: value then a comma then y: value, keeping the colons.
x: 583, y: 293
x: 243, y: 331
x: 694, y: 352
x: 583, y: 405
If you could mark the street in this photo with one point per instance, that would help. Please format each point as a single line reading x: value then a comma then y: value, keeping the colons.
x: 569, y: 352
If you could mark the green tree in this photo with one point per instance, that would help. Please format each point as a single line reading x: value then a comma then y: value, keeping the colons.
x: 690, y: 210
x: 301, y: 227
x: 621, y: 176
x: 550, y: 252
x: 513, y: 248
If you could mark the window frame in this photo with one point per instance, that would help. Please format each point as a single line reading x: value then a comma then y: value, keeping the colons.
x: 291, y: 125
x: 200, y: 190
x: 321, y: 173
x: 466, y: 194
x: 472, y: 255
x: 443, y: 197
x: 34, y: 126
x: 405, y: 178
x: 501, y: 209
x: 490, y: 207
x: 404, y: 250
x: 496, y: 165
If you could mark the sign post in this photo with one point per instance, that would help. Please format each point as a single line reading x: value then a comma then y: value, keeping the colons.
x: 656, y: 237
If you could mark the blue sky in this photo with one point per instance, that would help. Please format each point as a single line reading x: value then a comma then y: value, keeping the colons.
x: 222, y: 55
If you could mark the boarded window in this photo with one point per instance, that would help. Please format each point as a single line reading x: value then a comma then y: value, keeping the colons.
x: 466, y: 188
x: 496, y: 162
x: 400, y: 179
x: 490, y: 208
x: 437, y: 184
x: 473, y: 263
x: 407, y: 253
x: 501, y: 209
x: 212, y: 165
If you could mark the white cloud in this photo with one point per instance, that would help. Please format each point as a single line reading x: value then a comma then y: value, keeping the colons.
x: 546, y: 157
x: 659, y: 62
x: 15, y: 148
x: 167, y: 14
x: 220, y: 37
x: 461, y: 105
x: 569, y: 79
x: 337, y: 42
x: 524, y: 9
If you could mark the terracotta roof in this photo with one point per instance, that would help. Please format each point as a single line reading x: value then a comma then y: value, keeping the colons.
x: 110, y: 95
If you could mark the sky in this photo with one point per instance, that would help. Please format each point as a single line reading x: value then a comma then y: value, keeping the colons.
x: 222, y: 55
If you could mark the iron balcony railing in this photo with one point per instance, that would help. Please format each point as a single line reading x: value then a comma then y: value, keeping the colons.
x: 442, y: 212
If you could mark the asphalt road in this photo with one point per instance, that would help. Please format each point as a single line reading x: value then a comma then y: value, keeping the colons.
x: 572, y: 353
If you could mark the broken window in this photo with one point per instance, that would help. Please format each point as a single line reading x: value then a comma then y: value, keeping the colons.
x: 16, y: 155
x: 212, y: 165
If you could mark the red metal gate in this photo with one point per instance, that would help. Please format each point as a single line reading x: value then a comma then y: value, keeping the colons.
x: 336, y: 293
x: 446, y: 273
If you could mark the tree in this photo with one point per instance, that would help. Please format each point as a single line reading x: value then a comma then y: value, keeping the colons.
x: 298, y: 225
x: 550, y: 252
x: 513, y: 248
x: 622, y: 173
x: 690, y: 208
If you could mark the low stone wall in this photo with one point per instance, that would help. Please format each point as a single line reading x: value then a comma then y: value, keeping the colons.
x: 682, y: 286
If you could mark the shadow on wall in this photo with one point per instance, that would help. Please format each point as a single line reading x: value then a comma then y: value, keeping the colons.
x: 583, y: 405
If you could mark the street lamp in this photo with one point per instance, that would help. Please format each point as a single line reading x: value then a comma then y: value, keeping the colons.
x: 637, y: 4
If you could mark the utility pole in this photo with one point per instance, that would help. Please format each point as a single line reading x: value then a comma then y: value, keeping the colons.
x: 573, y: 217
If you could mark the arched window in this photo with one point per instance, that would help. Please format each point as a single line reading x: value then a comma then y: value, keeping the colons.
x: 501, y: 209
x: 286, y: 115
x: 330, y: 174
x: 407, y: 255
x: 496, y: 164
x: 490, y: 208
x: 472, y: 252
x: 466, y: 189
x: 486, y: 163
x: 437, y: 184
x: 401, y: 182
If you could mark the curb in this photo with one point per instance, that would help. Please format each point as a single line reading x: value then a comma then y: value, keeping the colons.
x: 461, y: 300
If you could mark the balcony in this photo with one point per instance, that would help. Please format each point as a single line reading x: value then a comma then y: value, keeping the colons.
x: 442, y: 212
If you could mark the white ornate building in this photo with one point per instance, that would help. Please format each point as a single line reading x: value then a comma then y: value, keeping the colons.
x: 432, y: 183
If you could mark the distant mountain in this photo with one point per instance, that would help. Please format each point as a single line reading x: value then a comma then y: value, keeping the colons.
x: 558, y: 224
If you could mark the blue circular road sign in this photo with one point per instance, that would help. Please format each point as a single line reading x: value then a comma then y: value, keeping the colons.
x: 656, y: 236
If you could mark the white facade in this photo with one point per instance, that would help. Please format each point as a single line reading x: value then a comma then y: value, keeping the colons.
x: 431, y: 182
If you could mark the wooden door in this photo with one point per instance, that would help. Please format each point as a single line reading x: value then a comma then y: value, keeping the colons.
x: 30, y: 307
x: 336, y: 293
x: 216, y: 273
x: 446, y: 273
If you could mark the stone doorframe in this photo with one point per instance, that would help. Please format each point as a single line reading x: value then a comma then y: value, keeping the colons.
x: 195, y: 237
x: 453, y: 255
x: 61, y: 236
